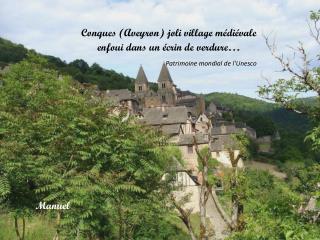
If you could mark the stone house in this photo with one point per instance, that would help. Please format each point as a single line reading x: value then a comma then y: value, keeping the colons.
x: 222, y: 141
x: 219, y: 150
x: 250, y: 132
x: 172, y: 121
x: 203, y: 124
x: 188, y: 151
x: 123, y: 98
x: 186, y: 185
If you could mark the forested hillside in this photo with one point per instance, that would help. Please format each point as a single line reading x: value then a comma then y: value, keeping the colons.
x: 78, y: 69
x: 253, y: 111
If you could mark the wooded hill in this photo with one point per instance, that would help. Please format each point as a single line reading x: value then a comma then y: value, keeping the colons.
x: 78, y: 69
x: 255, y: 112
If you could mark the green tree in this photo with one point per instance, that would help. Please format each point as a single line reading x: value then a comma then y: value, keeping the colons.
x: 304, y: 78
x: 237, y: 181
x: 207, y: 167
x: 59, y: 145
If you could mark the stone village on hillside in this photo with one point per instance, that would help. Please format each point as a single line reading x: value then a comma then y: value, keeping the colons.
x: 180, y: 115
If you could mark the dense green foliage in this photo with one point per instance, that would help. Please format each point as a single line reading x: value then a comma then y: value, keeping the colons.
x: 59, y: 145
x: 271, y: 212
x: 11, y: 53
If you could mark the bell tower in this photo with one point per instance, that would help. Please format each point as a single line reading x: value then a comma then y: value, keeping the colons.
x: 166, y: 88
x: 141, y: 82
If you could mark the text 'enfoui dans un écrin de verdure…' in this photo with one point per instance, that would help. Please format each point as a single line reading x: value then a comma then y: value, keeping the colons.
x: 166, y: 47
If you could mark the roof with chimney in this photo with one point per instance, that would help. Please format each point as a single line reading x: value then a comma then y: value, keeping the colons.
x: 164, y: 75
x: 141, y: 76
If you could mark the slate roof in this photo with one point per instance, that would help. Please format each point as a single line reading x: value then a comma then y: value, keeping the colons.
x: 141, y: 76
x: 189, y: 102
x: 119, y: 95
x: 164, y: 74
x: 223, y: 130
x: 223, y: 143
x: 187, y: 139
x: 171, y: 129
x: 165, y: 115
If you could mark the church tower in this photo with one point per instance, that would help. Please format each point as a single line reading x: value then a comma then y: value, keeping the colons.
x: 166, y: 88
x: 141, y: 83
x: 141, y: 87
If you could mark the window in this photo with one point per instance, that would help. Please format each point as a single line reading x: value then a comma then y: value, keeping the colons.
x: 163, y: 98
x: 140, y: 88
x: 190, y: 149
x: 165, y: 115
x: 163, y: 85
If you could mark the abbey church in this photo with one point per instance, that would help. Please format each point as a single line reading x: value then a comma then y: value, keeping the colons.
x: 167, y: 95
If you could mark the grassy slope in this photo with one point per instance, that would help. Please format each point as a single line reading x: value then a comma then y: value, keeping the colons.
x: 37, y: 228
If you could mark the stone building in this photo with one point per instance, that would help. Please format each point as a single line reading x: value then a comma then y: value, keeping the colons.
x: 203, y: 124
x: 172, y: 121
x: 187, y: 147
x: 123, y: 98
x: 166, y: 94
x: 220, y: 147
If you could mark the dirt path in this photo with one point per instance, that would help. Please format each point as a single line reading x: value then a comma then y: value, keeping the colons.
x: 272, y: 169
x: 219, y: 225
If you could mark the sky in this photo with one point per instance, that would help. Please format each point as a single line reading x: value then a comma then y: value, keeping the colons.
x: 54, y: 28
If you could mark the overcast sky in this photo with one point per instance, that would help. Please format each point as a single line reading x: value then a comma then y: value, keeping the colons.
x: 54, y: 28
